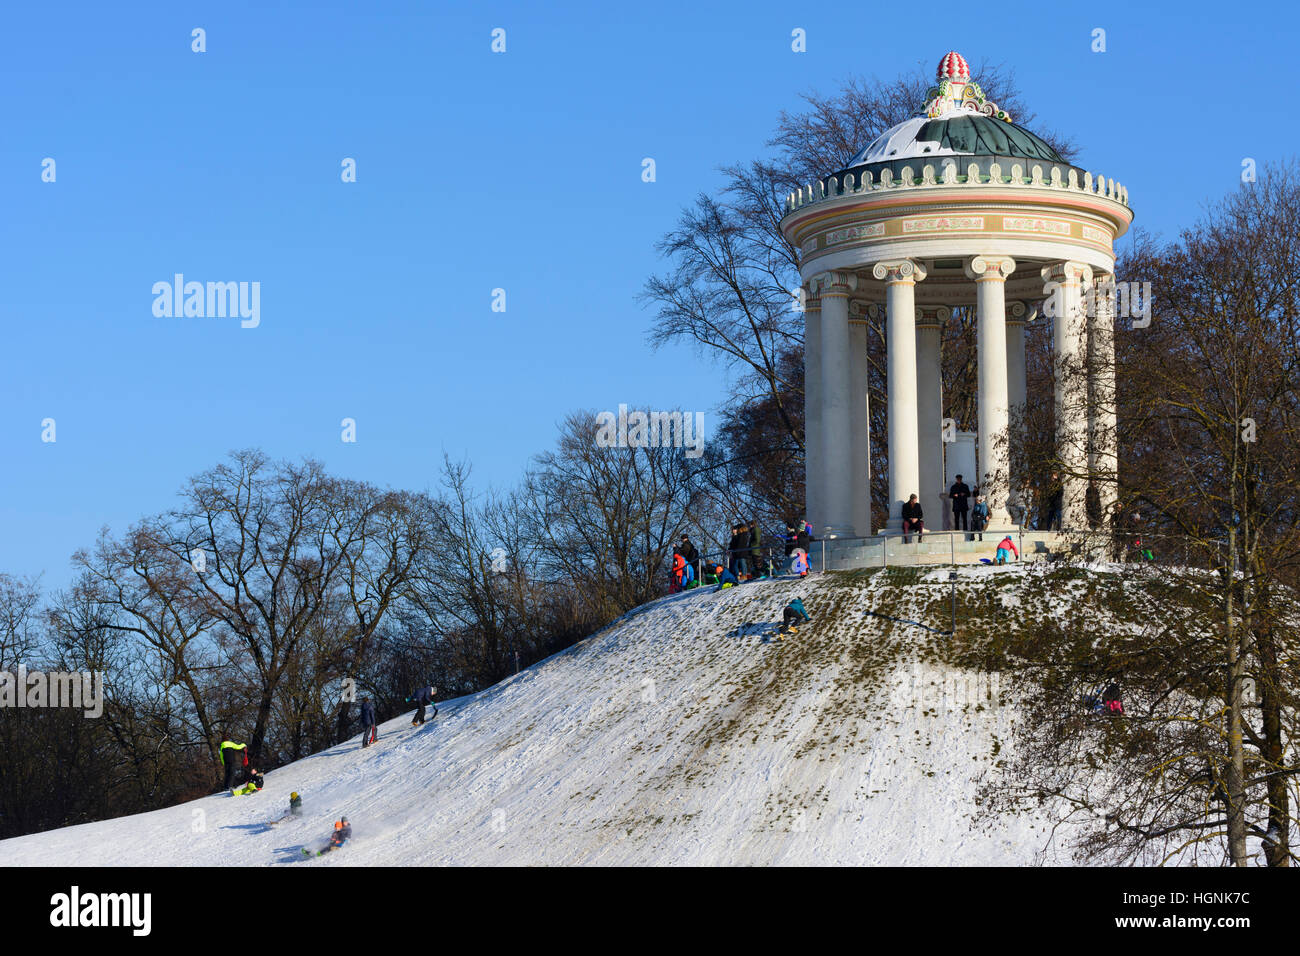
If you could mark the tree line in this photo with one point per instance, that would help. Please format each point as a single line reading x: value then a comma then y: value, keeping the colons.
x: 274, y: 596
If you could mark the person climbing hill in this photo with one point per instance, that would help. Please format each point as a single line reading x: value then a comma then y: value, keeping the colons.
x: 726, y: 578
x: 793, y: 615
x: 234, y: 758
x: 1006, y: 547
x: 369, y: 727
x: 422, y: 698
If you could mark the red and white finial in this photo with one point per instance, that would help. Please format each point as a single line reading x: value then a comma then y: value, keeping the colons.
x: 953, y: 67
x: 955, y: 91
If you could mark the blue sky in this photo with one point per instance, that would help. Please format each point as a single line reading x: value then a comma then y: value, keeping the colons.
x: 475, y: 171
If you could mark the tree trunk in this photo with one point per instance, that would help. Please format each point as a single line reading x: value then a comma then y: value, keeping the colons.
x: 1277, y: 850
x: 1236, y: 775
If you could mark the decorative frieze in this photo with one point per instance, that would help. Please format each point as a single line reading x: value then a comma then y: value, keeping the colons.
x: 943, y: 224
x: 1055, y: 227
x: 849, y: 233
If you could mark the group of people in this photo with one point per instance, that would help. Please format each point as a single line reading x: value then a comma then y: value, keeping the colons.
x: 744, y: 558
x: 745, y: 552
x: 970, y: 512
x: 686, y: 561
x: 967, y: 518
x: 240, y: 778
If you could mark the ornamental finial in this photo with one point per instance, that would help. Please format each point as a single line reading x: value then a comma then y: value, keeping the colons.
x: 956, y: 91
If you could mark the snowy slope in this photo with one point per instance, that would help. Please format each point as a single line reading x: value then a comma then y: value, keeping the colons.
x: 679, y: 734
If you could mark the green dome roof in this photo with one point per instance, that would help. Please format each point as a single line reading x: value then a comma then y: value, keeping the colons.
x: 957, y: 133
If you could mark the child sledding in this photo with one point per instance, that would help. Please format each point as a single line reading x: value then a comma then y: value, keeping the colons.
x: 295, y: 809
x: 338, y: 839
x: 255, y: 783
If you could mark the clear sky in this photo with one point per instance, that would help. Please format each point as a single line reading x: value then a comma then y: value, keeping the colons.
x: 475, y: 171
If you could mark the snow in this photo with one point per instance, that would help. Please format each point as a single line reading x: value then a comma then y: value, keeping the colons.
x: 681, y: 734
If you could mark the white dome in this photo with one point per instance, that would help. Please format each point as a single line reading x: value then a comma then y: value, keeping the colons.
x: 900, y: 142
x: 960, y: 131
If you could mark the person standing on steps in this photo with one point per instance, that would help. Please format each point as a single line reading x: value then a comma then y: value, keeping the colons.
x: 1055, y: 502
x: 1092, y: 506
x: 979, y: 518
x: 369, y: 726
x: 423, y: 698
x: 234, y: 757
x: 960, y: 495
x: 757, y: 570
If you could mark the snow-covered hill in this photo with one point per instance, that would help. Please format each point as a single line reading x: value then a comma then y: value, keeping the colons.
x: 682, y: 733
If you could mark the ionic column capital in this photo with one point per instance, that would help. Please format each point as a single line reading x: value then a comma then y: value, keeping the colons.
x: 990, y: 268
x: 812, y: 303
x: 932, y: 316
x: 859, y: 310
x: 833, y: 283
x: 1017, y: 313
x: 898, y: 270
x: 1067, y: 273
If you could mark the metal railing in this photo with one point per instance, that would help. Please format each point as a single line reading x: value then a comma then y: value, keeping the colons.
x: 1122, y: 546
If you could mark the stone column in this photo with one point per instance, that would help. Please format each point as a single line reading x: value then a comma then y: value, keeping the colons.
x: 860, y: 417
x: 814, y: 497
x: 1063, y: 288
x: 837, y: 438
x: 990, y: 274
x: 929, y: 412
x: 1103, y: 462
x: 1016, y: 398
x: 900, y: 278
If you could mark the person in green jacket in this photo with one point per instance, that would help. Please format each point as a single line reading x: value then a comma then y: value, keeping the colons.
x: 234, y: 757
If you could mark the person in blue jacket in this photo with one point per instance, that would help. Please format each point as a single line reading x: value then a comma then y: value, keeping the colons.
x: 793, y: 615
x: 369, y: 728
x: 726, y: 578
x: 423, y: 698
